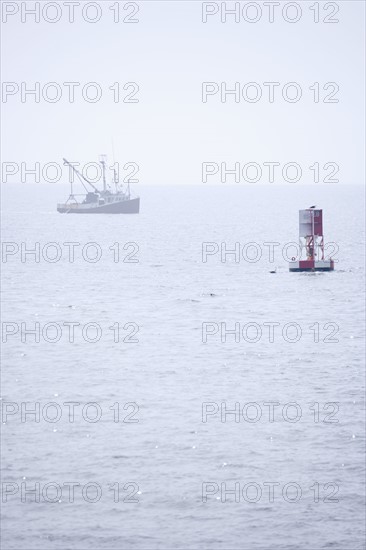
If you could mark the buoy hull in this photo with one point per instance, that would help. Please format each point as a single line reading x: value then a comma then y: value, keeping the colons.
x: 312, y: 265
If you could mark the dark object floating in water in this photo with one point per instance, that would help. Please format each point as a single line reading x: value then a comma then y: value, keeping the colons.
x: 100, y: 202
x: 274, y: 271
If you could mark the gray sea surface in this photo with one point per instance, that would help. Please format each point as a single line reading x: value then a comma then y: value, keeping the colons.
x: 166, y: 378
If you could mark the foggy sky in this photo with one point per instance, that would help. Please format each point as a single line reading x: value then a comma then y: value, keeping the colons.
x: 169, y: 53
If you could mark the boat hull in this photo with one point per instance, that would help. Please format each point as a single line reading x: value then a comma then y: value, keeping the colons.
x: 131, y: 206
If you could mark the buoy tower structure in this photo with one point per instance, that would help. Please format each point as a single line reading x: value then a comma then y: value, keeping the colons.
x: 312, y: 241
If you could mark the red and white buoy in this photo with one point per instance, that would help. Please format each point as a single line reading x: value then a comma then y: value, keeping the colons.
x: 312, y: 240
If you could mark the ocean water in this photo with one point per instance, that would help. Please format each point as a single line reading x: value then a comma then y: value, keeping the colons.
x: 189, y: 473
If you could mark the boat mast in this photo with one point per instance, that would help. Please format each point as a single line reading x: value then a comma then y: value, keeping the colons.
x: 115, y: 176
x: 115, y: 179
x: 103, y: 159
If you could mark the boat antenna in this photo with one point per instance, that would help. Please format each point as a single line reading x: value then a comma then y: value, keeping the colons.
x: 81, y: 177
